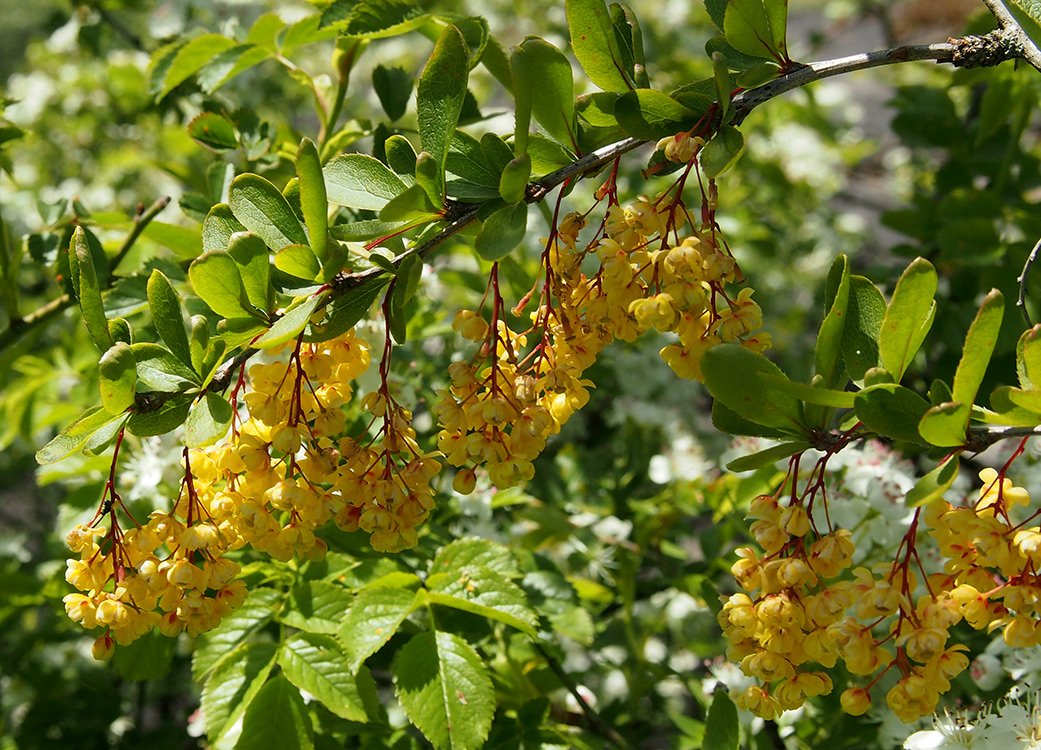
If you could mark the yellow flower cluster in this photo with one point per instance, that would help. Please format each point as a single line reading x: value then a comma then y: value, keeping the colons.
x: 521, y: 387
x: 803, y: 605
x: 286, y: 470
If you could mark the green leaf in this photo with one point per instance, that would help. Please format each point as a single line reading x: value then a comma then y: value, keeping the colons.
x: 867, y: 308
x: 218, y: 227
x: 230, y: 63
x: 317, y: 664
x: 299, y: 261
x: 595, y: 45
x: 165, y: 308
x: 768, y: 456
x: 214, y: 647
x: 440, y: 95
x: 169, y: 416
x: 183, y: 241
x: 73, y: 437
x: 190, y: 58
x: 502, y: 232
x: 88, y: 290
x: 485, y: 593
x: 347, y: 309
x: 313, y: 203
x: 160, y: 371
x: 722, y: 152
x: 393, y: 86
x: 232, y: 687
x: 373, y: 19
x: 375, y: 615
x: 542, y: 79
x: 474, y: 552
x: 829, y: 339
x: 1029, y: 399
x: 724, y: 84
x: 513, y: 184
x: 216, y: 279
x: 118, y: 378
x: 431, y: 177
x: 292, y: 323
x: 726, y: 420
x: 717, y: 11
x: 444, y: 688
x: 810, y: 394
x: 945, y: 424
x: 630, y: 42
x: 214, y: 131
x: 757, y: 27
x: 722, y: 730
x: 1028, y: 358
x: 262, y: 209
x: 276, y: 717
x: 401, y: 157
x: 908, y: 318
x: 648, y: 114
x: 411, y: 205
x: 746, y: 396
x: 892, y: 411
x: 253, y: 259
x: 316, y: 606
x: 934, y: 484
x: 208, y: 420
x: 979, y: 346
x: 359, y: 181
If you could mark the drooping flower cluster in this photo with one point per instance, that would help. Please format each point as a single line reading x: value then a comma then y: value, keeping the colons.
x: 806, y: 607
x: 521, y: 386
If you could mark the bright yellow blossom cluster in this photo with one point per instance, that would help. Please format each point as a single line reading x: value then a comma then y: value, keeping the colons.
x: 803, y: 609
x: 520, y: 388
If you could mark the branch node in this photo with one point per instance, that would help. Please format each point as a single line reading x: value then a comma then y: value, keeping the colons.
x: 987, y: 50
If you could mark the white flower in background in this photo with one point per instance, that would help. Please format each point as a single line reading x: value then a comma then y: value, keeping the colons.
x: 986, y: 671
x: 950, y: 731
x: 1014, y: 723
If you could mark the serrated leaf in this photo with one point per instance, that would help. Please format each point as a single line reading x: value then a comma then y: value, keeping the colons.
x: 979, y: 346
x: 359, y: 181
x: 745, y: 396
x: 373, y: 19
x: 117, y: 372
x: 934, y: 484
x: 261, y: 208
x: 444, y: 688
x: 316, y: 606
x: 768, y: 456
x: 208, y: 420
x: 230, y: 63
x: 649, y: 114
x: 440, y: 94
x: 292, y: 323
x: 375, y: 615
x: 74, y: 436
x: 722, y: 152
x: 393, y: 86
x: 757, y: 27
x: 214, y: 130
x: 313, y: 203
x: 231, y: 688
x: 316, y: 663
x: 542, y: 79
x: 908, y: 317
x: 216, y: 279
x: 502, y: 232
x: 484, y: 593
x: 891, y: 410
x: 945, y: 424
x: 722, y: 729
x: 471, y: 552
x: 160, y: 371
x: 253, y: 259
x: 216, y: 645
x: 190, y: 58
x: 88, y: 290
x: 595, y: 45
x: 165, y: 308
x: 276, y: 717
